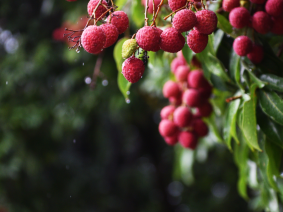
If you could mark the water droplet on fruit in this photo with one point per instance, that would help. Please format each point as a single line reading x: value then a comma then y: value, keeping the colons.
x: 128, y: 101
x: 77, y: 50
x: 128, y: 92
x: 105, y: 82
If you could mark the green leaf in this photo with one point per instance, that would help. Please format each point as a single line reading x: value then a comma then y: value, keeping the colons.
x: 272, y: 130
x: 224, y: 24
x: 255, y: 80
x: 272, y: 105
x: 137, y: 13
x: 273, y: 82
x: 123, y: 84
x: 213, y: 127
x: 120, y: 3
x: 249, y: 120
x: 218, y: 36
x: 188, y: 53
x: 235, y: 69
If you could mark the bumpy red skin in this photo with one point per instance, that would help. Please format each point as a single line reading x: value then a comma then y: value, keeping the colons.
x: 197, y: 41
x: 167, y: 112
x: 120, y: 20
x: 277, y: 26
x: 133, y: 69
x: 150, y: 5
x: 92, y: 5
x: 258, y: 1
x: 148, y: 38
x: 176, y: 4
x: 167, y: 128
x: 256, y: 55
x: 200, y: 128
x: 239, y: 17
x: 171, y: 40
x: 188, y: 140
x: 261, y: 22
x: 171, y: 89
x: 192, y: 98
x: 197, y: 80
x: 204, y: 110
x: 181, y: 73
x: 182, y: 116
x: 176, y: 62
x: 206, y: 21
x: 93, y: 39
x: 228, y: 5
x: 184, y: 20
x: 159, y: 31
x: 111, y: 33
x: 242, y: 45
x: 274, y: 8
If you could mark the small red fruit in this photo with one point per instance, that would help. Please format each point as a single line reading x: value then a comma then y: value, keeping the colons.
x: 159, y: 31
x: 200, y: 128
x: 176, y: 4
x: 274, y: 8
x: 188, y: 140
x: 258, y: 1
x: 132, y: 69
x: 176, y: 62
x: 205, y: 92
x: 277, y: 26
x: 197, y: 80
x: 167, y: 128
x: 192, y: 98
x: 206, y: 21
x: 242, y: 45
x: 228, y: 5
x: 167, y: 112
x: 181, y: 73
x: 197, y: 41
x: 239, y: 17
x: 176, y: 100
x: 261, y: 22
x: 204, y: 110
x: 92, y: 5
x: 148, y: 38
x: 182, y: 116
x: 256, y: 55
x: 172, y: 140
x: 111, y: 33
x: 184, y: 20
x: 120, y: 20
x: 93, y: 39
x: 171, y: 40
x: 171, y: 89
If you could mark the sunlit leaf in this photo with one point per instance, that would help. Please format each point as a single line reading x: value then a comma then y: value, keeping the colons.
x: 273, y: 82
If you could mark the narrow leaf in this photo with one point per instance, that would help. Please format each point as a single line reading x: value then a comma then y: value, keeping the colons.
x: 188, y: 53
x: 218, y: 36
x: 224, y: 24
x: 273, y: 82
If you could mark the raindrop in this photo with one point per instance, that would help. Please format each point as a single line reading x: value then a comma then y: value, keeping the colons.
x: 7, y: 82
x: 87, y: 80
x: 128, y: 92
x: 11, y: 45
x: 74, y: 141
x: 77, y: 50
x: 105, y: 82
x: 141, y: 76
x: 128, y: 101
x: 83, y: 64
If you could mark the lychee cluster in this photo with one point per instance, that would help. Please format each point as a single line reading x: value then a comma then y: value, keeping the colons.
x: 181, y: 121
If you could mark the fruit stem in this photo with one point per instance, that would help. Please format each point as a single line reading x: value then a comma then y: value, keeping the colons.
x: 96, y: 71
x: 166, y: 17
x: 156, y: 14
x: 145, y: 14
x: 228, y: 100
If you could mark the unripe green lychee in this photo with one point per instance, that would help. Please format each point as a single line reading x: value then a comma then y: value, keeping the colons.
x: 128, y: 48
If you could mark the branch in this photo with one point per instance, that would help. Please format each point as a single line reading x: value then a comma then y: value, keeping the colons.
x: 96, y: 71
x: 233, y: 98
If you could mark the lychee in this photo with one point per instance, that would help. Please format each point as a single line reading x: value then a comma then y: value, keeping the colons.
x: 182, y: 72
x: 242, y: 45
x: 274, y: 8
x: 204, y: 110
x: 206, y: 21
x: 170, y: 89
x: 150, y: 5
x: 176, y: 4
x: 171, y: 40
x: 197, y: 80
x: 132, y: 69
x: 277, y: 25
x: 111, y: 33
x: 58, y: 34
x: 92, y: 5
x: 188, y: 139
x: 256, y: 55
x: 192, y: 98
x: 148, y: 38
x: 167, y: 112
x: 159, y: 31
x: 176, y: 100
x: 228, y: 5
x: 182, y: 116
x: 172, y: 140
x: 239, y: 17
x: 205, y: 92
x: 184, y: 20
x: 128, y: 48
x: 200, y: 128
x: 93, y: 39
x: 167, y: 128
x: 258, y: 1
x: 176, y: 62
x: 197, y: 41
x: 261, y: 22
x: 120, y: 20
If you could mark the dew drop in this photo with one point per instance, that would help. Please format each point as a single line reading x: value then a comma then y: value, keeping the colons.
x: 77, y: 50
x: 83, y: 64
x: 88, y: 80
x: 105, y: 82
x: 128, y: 101
x: 128, y: 92
x: 7, y: 82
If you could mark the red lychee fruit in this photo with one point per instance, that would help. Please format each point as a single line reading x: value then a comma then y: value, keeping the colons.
x: 171, y: 89
x: 58, y: 34
x: 200, y: 128
x: 176, y: 100
x: 258, y: 1
x: 176, y: 4
x: 239, y: 17
x: 92, y: 5
x: 205, y: 92
x: 188, y: 139
x: 150, y: 5
x: 206, y: 21
x: 277, y: 25
x: 192, y: 98
x: 132, y: 69
x: 167, y: 112
x: 148, y: 38
x: 256, y: 55
x: 167, y: 128
x: 197, y: 80
x: 242, y: 45
x: 159, y: 31
x: 171, y: 40
x: 182, y: 116
x: 261, y: 22
x: 228, y: 5
x: 184, y: 20
x: 274, y: 8
x: 111, y: 33
x: 172, y: 140
x: 181, y: 73
x: 197, y: 41
x: 176, y: 62
x: 93, y: 39
x: 204, y: 110
x: 120, y: 20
